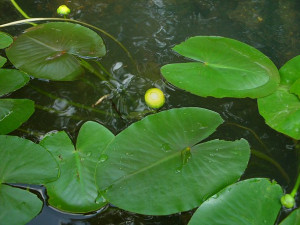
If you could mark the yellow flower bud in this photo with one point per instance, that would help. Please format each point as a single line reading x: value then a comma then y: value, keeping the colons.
x: 154, y: 98
x: 63, y: 10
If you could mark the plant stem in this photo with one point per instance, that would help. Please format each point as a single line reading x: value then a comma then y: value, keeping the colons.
x: 272, y: 161
x: 21, y: 11
x: 73, y: 21
x: 296, y: 187
x: 90, y: 68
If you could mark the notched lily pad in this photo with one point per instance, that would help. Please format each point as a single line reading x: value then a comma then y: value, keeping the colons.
x: 224, y: 68
x: 50, y: 50
x: 156, y: 166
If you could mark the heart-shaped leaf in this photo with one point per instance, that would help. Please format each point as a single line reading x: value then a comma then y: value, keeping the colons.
x: 224, y: 68
x: 2, y: 61
x: 292, y: 219
x: 5, y: 40
x: 11, y: 80
x: 156, y: 167
x: 13, y: 113
x: 253, y: 201
x: 50, y: 50
x: 281, y: 110
x: 75, y: 191
x: 22, y: 161
x: 17, y: 206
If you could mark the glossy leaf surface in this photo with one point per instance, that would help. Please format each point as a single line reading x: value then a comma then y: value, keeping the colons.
x: 292, y: 219
x: 156, y: 167
x: 253, y: 201
x: 13, y: 113
x: 17, y: 206
x: 2, y: 61
x: 49, y: 50
x: 224, y: 68
x: 5, y: 40
x: 290, y: 71
x: 11, y: 80
x: 75, y: 191
x: 23, y: 161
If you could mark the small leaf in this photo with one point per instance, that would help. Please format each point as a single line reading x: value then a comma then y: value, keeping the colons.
x: 224, y: 68
x: 2, y: 61
x: 290, y: 71
x: 5, y: 40
x: 295, y: 88
x: 253, y: 201
x: 11, y: 80
x: 50, y: 50
x: 75, y: 191
x: 17, y: 206
x: 13, y: 113
x: 292, y: 219
x: 156, y: 166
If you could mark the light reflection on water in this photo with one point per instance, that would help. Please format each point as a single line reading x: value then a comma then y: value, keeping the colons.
x: 149, y: 29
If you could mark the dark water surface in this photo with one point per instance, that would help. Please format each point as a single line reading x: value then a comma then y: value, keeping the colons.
x: 149, y: 29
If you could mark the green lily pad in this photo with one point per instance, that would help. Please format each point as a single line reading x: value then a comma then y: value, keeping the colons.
x: 290, y: 71
x: 13, y: 113
x: 2, y: 61
x: 224, y: 68
x: 295, y: 88
x: 75, y: 191
x: 11, y: 80
x: 156, y: 166
x: 17, y: 206
x: 292, y: 219
x: 49, y: 50
x: 5, y: 40
x: 253, y: 201
x: 22, y: 161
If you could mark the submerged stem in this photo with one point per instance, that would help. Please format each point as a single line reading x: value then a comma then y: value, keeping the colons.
x: 73, y: 21
x: 21, y: 11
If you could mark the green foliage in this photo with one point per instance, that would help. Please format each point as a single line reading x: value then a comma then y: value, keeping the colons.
x: 13, y: 113
x: 292, y: 219
x: 11, y: 80
x: 25, y: 162
x: 156, y: 166
x: 223, y: 68
x: 5, y: 40
x: 50, y: 50
x: 281, y: 110
x: 2, y: 61
x: 253, y: 201
x: 75, y: 190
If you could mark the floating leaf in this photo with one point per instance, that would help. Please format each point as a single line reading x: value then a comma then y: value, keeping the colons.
x: 11, y: 80
x: 50, y: 50
x: 253, y: 201
x: 17, y: 206
x: 13, y: 113
x: 157, y: 167
x: 75, y: 191
x: 5, y: 40
x: 281, y: 110
x: 2, y: 61
x: 292, y: 219
x: 22, y: 161
x: 224, y: 68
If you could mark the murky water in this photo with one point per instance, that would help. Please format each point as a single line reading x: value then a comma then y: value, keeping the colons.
x: 149, y: 29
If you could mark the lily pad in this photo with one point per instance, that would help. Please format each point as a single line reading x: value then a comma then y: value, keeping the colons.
x: 281, y: 110
x: 13, y: 113
x: 22, y: 161
x: 156, y: 166
x: 5, y: 40
x: 50, y: 50
x: 292, y: 219
x: 222, y: 67
x: 2, y: 61
x: 11, y: 80
x: 253, y: 201
x: 75, y: 191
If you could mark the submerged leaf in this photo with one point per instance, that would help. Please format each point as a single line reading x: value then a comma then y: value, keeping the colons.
x: 75, y: 191
x: 253, y: 201
x: 49, y: 50
x: 224, y: 68
x: 156, y: 166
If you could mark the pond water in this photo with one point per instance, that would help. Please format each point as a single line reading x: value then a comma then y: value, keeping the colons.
x: 149, y: 29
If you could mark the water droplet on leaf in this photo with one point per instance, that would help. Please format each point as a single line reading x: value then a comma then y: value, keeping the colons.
x: 103, y: 157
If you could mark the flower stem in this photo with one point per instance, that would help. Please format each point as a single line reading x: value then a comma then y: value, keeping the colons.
x: 21, y: 11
